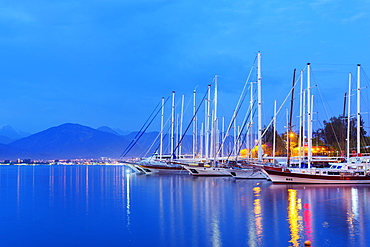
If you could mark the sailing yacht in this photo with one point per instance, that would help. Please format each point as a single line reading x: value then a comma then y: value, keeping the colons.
x: 249, y: 172
x: 160, y: 165
x: 339, y: 173
x: 252, y: 169
x: 201, y: 169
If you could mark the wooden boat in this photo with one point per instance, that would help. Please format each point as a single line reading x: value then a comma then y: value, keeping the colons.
x: 335, y: 174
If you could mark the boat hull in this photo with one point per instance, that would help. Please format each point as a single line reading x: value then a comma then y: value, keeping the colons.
x: 208, y: 171
x: 248, y: 174
x: 280, y: 176
x: 155, y: 169
x: 134, y: 167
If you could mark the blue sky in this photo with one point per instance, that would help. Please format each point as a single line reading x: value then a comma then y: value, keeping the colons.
x: 109, y: 62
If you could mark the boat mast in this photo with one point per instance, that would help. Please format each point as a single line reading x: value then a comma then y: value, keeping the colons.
x: 172, y: 124
x: 194, y: 124
x: 259, y: 95
x: 215, y: 121
x: 300, y: 119
x: 358, y: 108
x: 206, y: 132
x: 234, y: 150
x: 162, y: 126
x: 250, y: 130
x: 287, y: 133
x: 223, y: 135
x: 309, y: 116
x: 274, y: 134
x: 181, y: 122
x: 290, y: 119
x: 201, y: 139
x: 349, y: 115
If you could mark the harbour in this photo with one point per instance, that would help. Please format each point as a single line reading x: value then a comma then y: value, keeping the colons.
x: 91, y: 205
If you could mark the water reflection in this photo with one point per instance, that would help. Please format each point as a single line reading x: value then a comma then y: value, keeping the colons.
x: 105, y: 206
x: 332, y: 214
x: 295, y: 221
x: 258, y: 215
x: 128, y: 200
x: 307, y: 220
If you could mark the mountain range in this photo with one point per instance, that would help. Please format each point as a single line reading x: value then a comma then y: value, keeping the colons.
x: 75, y: 141
x: 72, y: 141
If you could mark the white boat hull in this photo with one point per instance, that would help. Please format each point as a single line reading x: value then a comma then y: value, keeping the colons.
x: 208, y: 171
x: 134, y: 167
x: 162, y: 169
x: 248, y: 174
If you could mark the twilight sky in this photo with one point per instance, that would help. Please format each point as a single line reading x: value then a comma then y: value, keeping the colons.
x: 109, y: 62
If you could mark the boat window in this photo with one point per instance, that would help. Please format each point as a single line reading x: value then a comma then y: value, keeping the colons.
x: 333, y: 173
x: 193, y: 171
x: 339, y: 167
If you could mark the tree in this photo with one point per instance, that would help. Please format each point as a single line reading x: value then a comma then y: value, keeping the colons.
x: 334, y: 133
x: 268, y: 140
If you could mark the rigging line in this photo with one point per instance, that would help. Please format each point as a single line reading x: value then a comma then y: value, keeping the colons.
x: 238, y: 106
x: 145, y: 129
x: 277, y: 112
x: 241, y: 100
x: 137, y: 134
x: 155, y: 140
x: 192, y: 119
x: 239, y: 135
x: 327, y: 115
x: 245, y: 136
x: 165, y: 135
x: 244, y: 123
x: 137, y: 137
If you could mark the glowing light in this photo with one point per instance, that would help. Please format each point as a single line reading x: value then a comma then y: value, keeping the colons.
x: 295, y: 221
x: 258, y: 214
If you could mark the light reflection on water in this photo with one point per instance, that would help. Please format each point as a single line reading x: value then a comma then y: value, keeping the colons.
x: 108, y: 205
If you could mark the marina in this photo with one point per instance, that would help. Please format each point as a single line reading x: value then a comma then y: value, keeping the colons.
x: 74, y: 205
x: 184, y: 123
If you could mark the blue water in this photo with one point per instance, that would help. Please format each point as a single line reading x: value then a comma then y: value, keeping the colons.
x: 110, y: 206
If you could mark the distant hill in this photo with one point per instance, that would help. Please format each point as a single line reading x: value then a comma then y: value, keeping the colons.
x: 75, y: 141
x: 122, y: 132
x: 9, y: 134
x: 13, y: 153
x: 5, y: 140
x: 70, y: 141
x: 108, y: 130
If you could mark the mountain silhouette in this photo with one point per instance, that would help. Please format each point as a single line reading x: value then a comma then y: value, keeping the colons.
x: 9, y: 134
x: 72, y: 141
x: 75, y: 141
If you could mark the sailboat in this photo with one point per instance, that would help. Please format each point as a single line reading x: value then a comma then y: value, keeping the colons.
x: 230, y: 166
x: 251, y: 169
x: 340, y: 173
x: 208, y: 166
x: 160, y: 163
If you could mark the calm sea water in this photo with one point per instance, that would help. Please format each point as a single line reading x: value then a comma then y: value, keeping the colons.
x: 110, y: 206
